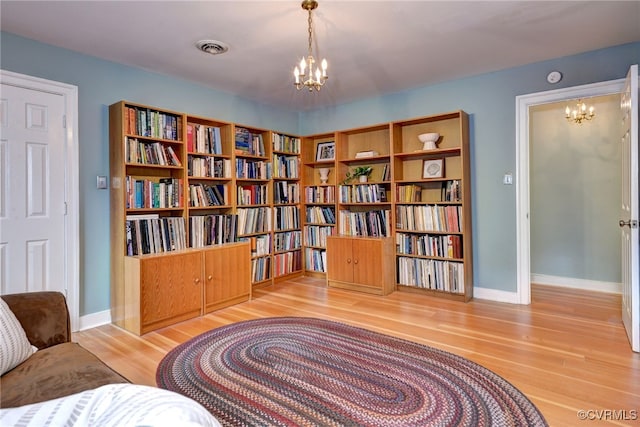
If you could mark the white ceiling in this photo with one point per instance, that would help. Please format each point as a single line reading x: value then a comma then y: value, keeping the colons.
x: 373, y: 47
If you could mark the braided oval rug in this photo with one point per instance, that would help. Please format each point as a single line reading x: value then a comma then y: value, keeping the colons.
x: 288, y: 371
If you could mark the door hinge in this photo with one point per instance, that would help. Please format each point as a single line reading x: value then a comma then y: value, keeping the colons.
x: 65, y: 208
x: 64, y: 121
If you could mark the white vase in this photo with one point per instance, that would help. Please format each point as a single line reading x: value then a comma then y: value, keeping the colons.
x: 363, y: 178
x: 324, y: 175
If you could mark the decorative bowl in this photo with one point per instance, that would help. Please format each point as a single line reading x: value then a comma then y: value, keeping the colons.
x: 429, y: 140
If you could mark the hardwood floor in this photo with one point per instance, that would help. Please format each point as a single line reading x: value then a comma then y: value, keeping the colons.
x: 567, y: 351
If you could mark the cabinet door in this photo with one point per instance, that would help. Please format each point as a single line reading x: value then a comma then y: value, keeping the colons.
x: 367, y: 262
x: 339, y: 259
x: 227, y: 272
x: 170, y: 289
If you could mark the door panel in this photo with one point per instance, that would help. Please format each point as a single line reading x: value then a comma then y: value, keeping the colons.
x: 339, y: 259
x: 629, y: 210
x: 32, y: 195
x: 367, y: 259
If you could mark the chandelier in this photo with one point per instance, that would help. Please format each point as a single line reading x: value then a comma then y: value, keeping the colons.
x: 579, y: 113
x: 309, y: 75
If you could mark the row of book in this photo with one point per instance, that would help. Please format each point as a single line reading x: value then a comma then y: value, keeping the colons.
x: 252, y: 169
x: 147, y: 194
x: 321, y: 214
x: 286, y: 192
x: 201, y: 195
x: 429, y: 218
x: 286, y: 217
x: 260, y: 269
x: 363, y: 193
x: 451, y: 191
x: 260, y: 245
x: 254, y: 220
x: 208, y: 167
x: 286, y: 263
x: 316, y: 235
x: 444, y: 246
x: 374, y: 223
x: 247, y: 143
x: 285, y: 143
x: 320, y: 194
x: 386, y: 173
x: 286, y: 166
x: 151, y: 123
x: 287, y: 241
x: 150, y: 153
x: 316, y: 259
x: 252, y: 195
x: 206, y: 230
x: 203, y: 139
x: 150, y: 234
x: 447, y: 276
x: 408, y: 193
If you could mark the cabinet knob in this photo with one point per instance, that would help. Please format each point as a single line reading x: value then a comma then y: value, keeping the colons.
x: 210, y: 277
x: 355, y: 261
x: 196, y: 281
x: 348, y: 260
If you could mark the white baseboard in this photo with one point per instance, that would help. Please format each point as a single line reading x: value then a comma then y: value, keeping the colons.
x: 95, y: 319
x: 495, y: 295
x: 571, y: 282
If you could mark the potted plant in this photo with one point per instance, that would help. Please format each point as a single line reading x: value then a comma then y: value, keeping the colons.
x: 360, y: 172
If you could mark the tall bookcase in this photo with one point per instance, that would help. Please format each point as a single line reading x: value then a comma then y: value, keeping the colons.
x: 286, y: 177
x: 432, y: 201
x: 202, y: 210
x: 421, y: 199
x: 319, y: 213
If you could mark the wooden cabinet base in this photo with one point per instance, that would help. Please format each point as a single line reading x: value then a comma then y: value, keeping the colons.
x: 364, y: 264
x: 163, y: 289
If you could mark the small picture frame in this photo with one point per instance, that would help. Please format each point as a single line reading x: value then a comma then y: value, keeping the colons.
x: 326, y: 151
x: 433, y: 168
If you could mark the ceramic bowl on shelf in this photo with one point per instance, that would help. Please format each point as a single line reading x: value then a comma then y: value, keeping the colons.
x: 429, y: 140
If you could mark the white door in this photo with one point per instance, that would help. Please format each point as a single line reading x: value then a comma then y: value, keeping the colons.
x: 32, y: 191
x: 629, y: 210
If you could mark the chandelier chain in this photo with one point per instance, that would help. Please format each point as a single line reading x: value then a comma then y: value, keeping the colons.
x: 310, y: 20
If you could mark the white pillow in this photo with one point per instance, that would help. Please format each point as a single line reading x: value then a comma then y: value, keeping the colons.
x: 113, y: 405
x: 15, y: 348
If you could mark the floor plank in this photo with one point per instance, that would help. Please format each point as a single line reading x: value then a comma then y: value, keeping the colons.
x: 567, y: 351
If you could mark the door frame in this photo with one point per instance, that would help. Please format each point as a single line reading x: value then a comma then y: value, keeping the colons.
x: 71, y: 180
x: 523, y: 226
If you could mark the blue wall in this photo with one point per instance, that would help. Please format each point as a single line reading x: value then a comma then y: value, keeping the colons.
x: 488, y: 98
x: 100, y: 84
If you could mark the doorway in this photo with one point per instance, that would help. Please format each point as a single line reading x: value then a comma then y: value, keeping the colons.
x: 575, y: 237
x: 523, y: 150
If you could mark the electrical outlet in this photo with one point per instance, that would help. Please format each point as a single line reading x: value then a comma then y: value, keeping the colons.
x: 507, y: 179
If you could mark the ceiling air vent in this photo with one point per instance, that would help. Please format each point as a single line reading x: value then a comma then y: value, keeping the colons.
x: 214, y: 47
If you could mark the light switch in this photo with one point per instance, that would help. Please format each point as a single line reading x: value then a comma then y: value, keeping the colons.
x: 507, y: 179
x: 101, y: 183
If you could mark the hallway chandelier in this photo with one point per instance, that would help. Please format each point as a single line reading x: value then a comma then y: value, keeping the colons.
x: 309, y: 75
x: 579, y: 113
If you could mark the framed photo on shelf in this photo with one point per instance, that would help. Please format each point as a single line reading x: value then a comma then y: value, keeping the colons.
x: 326, y: 152
x: 433, y: 168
